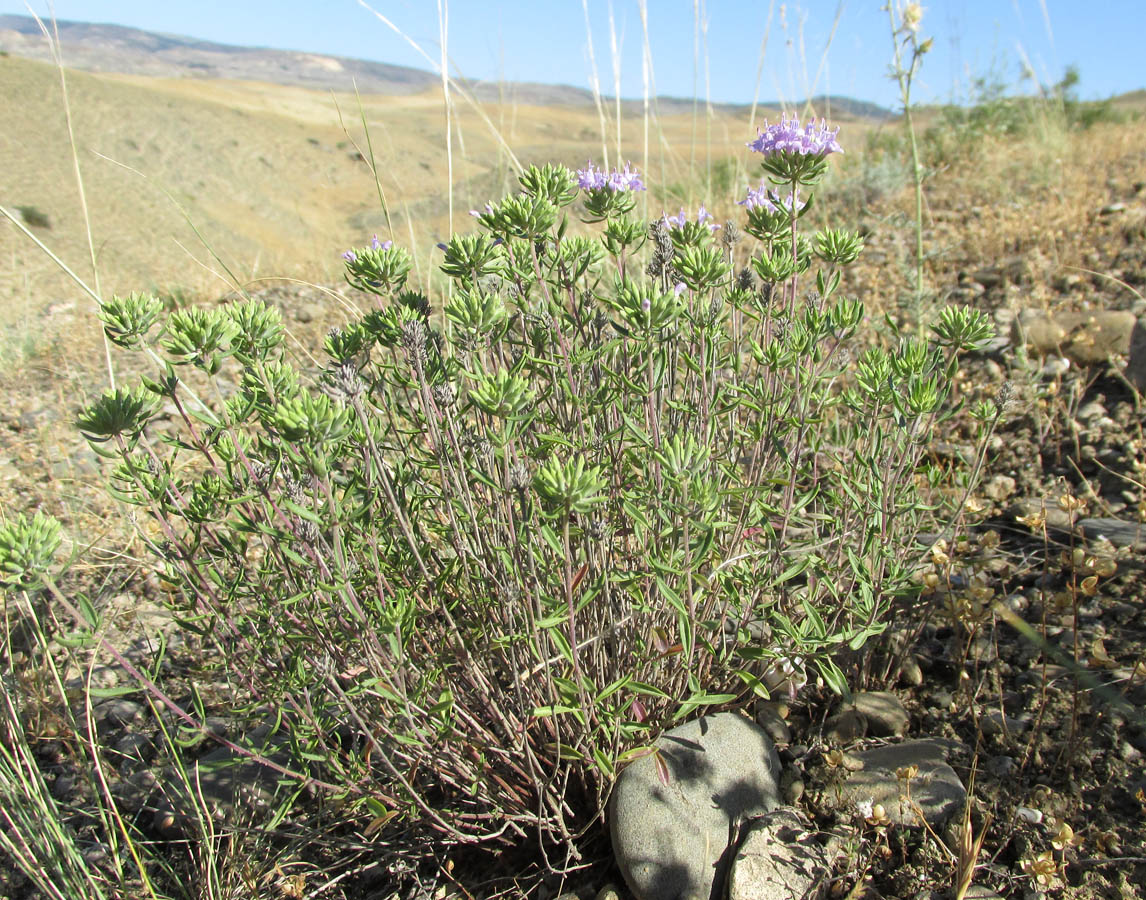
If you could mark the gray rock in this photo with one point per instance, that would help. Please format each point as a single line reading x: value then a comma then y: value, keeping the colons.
x: 936, y: 790
x: 885, y: 715
x: 136, y: 747
x: 989, y: 277
x: 1015, y: 270
x: 1118, y: 532
x: 225, y: 780
x: 608, y: 892
x: 1085, y: 338
x: 1056, y: 519
x: 1136, y: 362
x: 995, y: 722
x: 778, y: 859
x: 792, y: 786
x: 1001, y: 766
x: 673, y: 841
x: 134, y: 792
x: 771, y: 721
x: 117, y: 713
x: 910, y: 673
x: 999, y: 488
x: 308, y: 312
x: 63, y: 786
x: 846, y: 726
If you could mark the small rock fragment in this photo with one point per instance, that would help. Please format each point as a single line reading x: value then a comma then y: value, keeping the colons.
x: 999, y: 487
x: 778, y: 859
x: 885, y: 714
x: 846, y: 726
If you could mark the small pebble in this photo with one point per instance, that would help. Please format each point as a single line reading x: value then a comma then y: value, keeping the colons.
x: 63, y: 786
x: 608, y: 892
x: 792, y: 786
x: 910, y: 673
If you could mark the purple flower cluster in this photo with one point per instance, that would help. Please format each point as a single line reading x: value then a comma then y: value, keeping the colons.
x: 788, y: 137
x: 680, y: 219
x: 763, y: 196
x: 591, y: 178
x: 375, y: 244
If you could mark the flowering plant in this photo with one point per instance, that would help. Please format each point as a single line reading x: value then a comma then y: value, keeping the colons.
x: 794, y: 154
x: 499, y: 550
x: 609, y: 194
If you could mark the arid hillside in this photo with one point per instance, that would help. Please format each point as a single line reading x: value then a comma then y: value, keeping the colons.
x: 275, y: 179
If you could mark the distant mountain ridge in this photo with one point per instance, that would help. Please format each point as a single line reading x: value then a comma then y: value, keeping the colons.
x: 117, y: 48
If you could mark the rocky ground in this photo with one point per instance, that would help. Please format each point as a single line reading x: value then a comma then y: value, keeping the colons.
x: 1021, y: 683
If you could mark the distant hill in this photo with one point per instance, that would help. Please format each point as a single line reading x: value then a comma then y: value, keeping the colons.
x: 130, y: 51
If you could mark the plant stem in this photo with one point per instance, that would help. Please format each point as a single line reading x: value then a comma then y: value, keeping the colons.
x: 904, y: 78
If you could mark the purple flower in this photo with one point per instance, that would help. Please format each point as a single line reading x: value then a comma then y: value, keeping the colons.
x: 478, y: 215
x: 788, y: 137
x: 593, y: 179
x: 351, y: 257
x: 680, y: 219
x: 679, y: 288
x: 704, y: 216
x: 763, y: 196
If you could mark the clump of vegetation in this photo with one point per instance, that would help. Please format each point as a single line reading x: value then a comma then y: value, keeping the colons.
x: 996, y: 112
x: 34, y: 217
x: 487, y: 556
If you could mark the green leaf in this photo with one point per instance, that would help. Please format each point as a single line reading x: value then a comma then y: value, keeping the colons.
x: 701, y: 699
x: 565, y: 752
x: 834, y: 678
x: 613, y: 688
x: 670, y: 595
x: 753, y: 683
x: 562, y: 643
x: 604, y: 763
x: 648, y: 690
x: 552, y: 540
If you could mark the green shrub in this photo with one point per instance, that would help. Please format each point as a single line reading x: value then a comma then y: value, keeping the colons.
x: 34, y: 217
x: 994, y: 112
x: 491, y: 552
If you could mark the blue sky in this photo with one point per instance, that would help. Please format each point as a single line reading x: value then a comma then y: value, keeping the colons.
x: 547, y: 40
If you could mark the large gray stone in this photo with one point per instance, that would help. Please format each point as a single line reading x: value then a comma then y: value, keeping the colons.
x: 675, y: 841
x: 1120, y: 533
x: 779, y: 859
x: 870, y: 778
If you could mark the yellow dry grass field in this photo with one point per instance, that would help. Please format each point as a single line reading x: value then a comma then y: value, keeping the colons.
x: 271, y: 179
